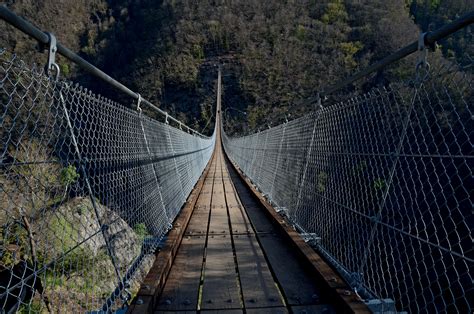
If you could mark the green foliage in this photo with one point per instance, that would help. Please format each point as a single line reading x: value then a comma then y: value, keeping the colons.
x: 36, y: 306
x: 255, y: 117
x: 34, y: 185
x: 360, y: 167
x: 379, y: 184
x: 60, y: 276
x: 90, y: 43
x: 335, y: 12
x: 300, y: 32
x: 68, y: 175
x: 198, y: 51
x: 431, y: 4
x: 141, y: 231
x: 64, y: 68
x: 349, y: 49
x: 321, y: 181
x: 63, y: 232
x: 14, y: 243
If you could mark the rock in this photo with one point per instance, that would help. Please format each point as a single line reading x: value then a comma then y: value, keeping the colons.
x: 75, y: 223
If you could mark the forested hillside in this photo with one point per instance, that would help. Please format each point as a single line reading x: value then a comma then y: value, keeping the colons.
x: 277, y: 53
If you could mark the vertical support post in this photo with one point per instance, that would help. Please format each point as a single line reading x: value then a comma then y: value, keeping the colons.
x: 278, y: 160
x: 250, y: 172
x: 259, y: 171
x: 381, y: 206
x: 158, y: 187
x: 168, y: 135
x: 308, y: 154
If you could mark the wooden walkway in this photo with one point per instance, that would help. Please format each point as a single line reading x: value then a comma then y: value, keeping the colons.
x: 231, y: 257
x: 230, y: 252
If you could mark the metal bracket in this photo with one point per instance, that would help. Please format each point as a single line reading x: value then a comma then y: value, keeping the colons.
x: 319, y: 102
x: 52, y: 49
x: 422, y: 50
x: 139, y: 109
x: 282, y: 211
x: 311, y: 238
x: 422, y: 63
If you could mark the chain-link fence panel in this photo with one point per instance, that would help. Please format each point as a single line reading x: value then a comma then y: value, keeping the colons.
x: 88, y: 189
x: 382, y: 184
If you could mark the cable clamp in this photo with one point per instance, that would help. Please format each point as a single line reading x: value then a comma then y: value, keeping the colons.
x: 319, y: 102
x: 52, y: 49
x: 422, y: 64
x: 139, y: 109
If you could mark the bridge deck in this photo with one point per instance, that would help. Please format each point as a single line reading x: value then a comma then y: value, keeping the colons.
x: 232, y: 258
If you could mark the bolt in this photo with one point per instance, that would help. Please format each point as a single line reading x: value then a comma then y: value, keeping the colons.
x: 347, y: 292
x: 139, y: 301
x: 168, y: 302
x: 146, y: 287
x: 333, y: 279
x: 187, y: 302
x: 229, y: 300
x: 209, y: 301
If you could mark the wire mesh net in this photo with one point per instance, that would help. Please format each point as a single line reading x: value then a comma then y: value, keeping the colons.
x: 384, y: 182
x: 88, y: 189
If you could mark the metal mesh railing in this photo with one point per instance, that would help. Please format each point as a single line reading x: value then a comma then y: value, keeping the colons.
x: 88, y: 189
x: 384, y: 183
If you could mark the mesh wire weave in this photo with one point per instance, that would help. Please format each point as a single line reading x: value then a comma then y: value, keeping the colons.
x: 88, y: 189
x: 385, y: 180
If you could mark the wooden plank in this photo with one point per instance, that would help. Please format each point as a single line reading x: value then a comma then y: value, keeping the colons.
x: 260, y: 220
x: 220, y: 286
x: 313, y: 309
x: 175, y: 312
x: 258, y: 287
x: 240, y: 222
x: 198, y: 223
x: 222, y: 312
x: 257, y: 216
x: 219, y: 221
x: 155, y: 280
x: 335, y: 287
x: 295, y: 280
x: 182, y: 286
x: 268, y: 310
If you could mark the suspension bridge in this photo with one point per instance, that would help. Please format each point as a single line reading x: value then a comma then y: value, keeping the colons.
x: 363, y: 205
